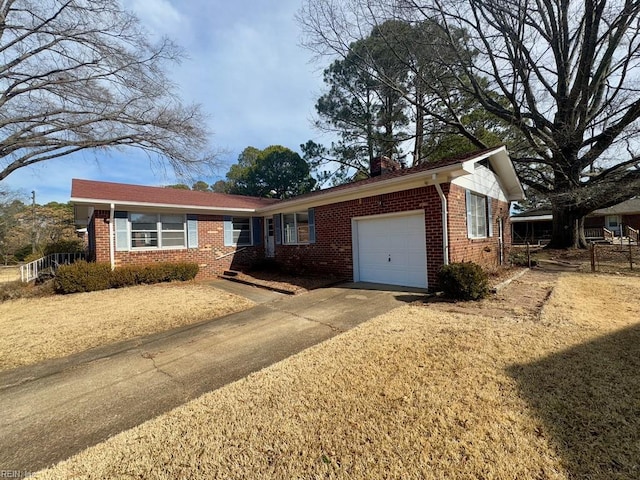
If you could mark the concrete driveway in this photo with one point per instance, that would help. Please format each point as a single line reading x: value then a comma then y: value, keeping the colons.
x: 53, y: 410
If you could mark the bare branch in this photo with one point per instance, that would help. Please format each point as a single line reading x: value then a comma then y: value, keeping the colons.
x: 81, y: 74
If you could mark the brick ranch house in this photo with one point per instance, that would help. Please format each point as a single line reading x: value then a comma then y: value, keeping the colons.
x: 397, y: 227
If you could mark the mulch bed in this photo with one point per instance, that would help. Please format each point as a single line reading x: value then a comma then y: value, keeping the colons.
x: 286, y: 282
x: 296, y: 284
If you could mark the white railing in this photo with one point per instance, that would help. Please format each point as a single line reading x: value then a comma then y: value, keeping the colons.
x: 30, y: 271
x: 608, y: 234
x: 633, y: 234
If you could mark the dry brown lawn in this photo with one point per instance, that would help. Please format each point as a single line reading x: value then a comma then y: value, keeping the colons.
x: 418, y: 393
x: 37, y: 329
x: 9, y: 274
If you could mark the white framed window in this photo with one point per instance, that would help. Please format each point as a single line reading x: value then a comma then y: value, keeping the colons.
x: 295, y: 228
x: 239, y: 231
x: 298, y: 228
x: 478, y: 215
x: 137, y: 231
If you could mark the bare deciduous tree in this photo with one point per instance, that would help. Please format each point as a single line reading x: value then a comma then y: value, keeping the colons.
x: 564, y: 73
x: 82, y: 74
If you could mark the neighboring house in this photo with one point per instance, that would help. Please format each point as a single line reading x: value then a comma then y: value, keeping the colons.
x: 397, y: 227
x: 621, y: 220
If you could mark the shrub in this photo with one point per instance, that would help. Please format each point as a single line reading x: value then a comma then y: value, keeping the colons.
x: 167, y: 272
x: 463, y: 281
x: 186, y: 271
x: 64, y: 246
x: 31, y: 257
x: 124, y: 277
x: 18, y: 289
x: 88, y: 277
x: 520, y: 259
x: 83, y: 277
x: 23, y: 252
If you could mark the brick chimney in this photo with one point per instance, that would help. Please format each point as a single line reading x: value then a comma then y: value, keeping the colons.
x: 382, y: 165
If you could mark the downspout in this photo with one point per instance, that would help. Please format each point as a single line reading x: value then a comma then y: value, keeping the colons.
x: 112, y: 255
x: 445, y: 222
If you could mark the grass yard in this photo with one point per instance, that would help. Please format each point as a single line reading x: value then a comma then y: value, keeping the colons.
x: 419, y: 393
x: 9, y: 274
x: 37, y: 329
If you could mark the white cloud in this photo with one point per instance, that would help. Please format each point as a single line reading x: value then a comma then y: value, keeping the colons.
x: 245, y: 69
x: 160, y: 17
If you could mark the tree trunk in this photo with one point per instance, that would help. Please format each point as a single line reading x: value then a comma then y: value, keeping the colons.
x: 568, y: 229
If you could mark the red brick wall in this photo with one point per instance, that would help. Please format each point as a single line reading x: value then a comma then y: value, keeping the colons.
x: 208, y: 254
x: 484, y: 251
x: 332, y: 253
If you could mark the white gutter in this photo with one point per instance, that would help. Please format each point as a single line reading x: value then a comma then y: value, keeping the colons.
x: 112, y: 255
x: 445, y: 221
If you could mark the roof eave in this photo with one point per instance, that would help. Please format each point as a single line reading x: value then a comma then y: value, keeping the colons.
x: 503, y: 166
x: 415, y: 180
x: 125, y: 205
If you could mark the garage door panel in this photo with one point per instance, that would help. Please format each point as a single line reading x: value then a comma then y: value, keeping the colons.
x: 392, y: 250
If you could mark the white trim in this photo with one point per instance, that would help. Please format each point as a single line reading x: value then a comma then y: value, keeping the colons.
x: 126, y: 205
x: 236, y: 244
x: 395, y: 184
x: 483, y: 181
x: 295, y: 223
x: 533, y: 218
x: 405, y: 213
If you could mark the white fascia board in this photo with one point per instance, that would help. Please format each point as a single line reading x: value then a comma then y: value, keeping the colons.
x: 533, y: 218
x: 416, y: 180
x: 503, y: 166
x: 170, y: 206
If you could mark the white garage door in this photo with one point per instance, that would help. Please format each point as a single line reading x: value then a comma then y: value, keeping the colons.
x: 392, y: 250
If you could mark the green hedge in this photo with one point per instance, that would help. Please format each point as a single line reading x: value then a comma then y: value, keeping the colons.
x: 464, y: 281
x: 88, y: 277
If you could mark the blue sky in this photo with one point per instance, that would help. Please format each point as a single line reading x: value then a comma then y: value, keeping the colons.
x: 245, y: 68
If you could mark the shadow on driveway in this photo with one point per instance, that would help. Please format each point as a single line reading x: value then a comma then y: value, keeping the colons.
x: 589, y: 400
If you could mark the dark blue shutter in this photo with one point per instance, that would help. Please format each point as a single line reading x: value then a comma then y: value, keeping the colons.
x: 121, y: 220
x: 312, y: 225
x: 256, y: 227
x: 192, y: 231
x: 228, y: 231
x: 277, y: 227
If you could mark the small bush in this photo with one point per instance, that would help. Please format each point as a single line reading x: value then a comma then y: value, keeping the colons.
x: 463, y: 281
x: 18, y: 289
x: 88, y: 277
x: 520, y: 259
x: 126, y: 276
x: 64, y: 246
x: 186, y: 271
x: 83, y: 277
x: 31, y: 257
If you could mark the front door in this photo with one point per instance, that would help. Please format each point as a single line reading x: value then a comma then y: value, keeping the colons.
x: 612, y: 223
x: 269, y: 240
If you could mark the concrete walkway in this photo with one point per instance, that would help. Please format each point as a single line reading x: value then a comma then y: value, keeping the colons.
x: 53, y: 410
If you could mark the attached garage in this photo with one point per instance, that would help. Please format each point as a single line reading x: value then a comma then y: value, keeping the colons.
x: 390, y: 249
